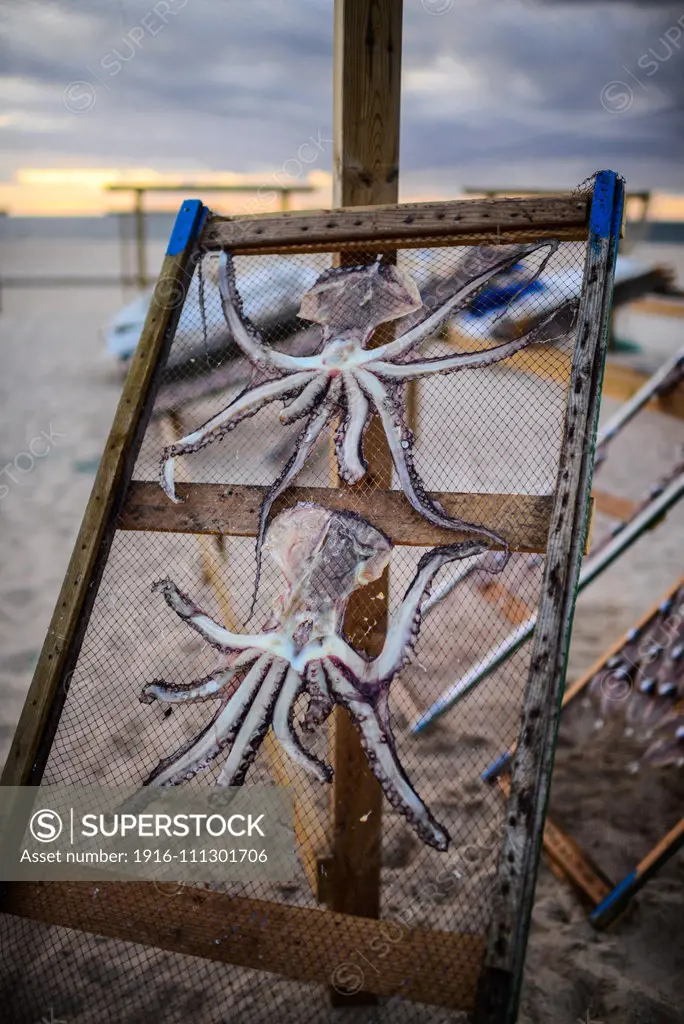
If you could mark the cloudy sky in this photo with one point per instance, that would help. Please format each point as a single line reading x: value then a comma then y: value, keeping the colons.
x: 512, y: 92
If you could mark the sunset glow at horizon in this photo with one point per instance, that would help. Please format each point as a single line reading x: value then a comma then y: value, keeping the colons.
x: 83, y: 191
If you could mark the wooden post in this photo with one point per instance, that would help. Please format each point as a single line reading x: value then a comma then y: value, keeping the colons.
x: 140, y: 256
x: 367, y: 74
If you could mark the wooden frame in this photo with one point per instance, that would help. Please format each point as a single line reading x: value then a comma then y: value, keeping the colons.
x: 294, y: 947
x: 407, y: 225
x: 606, y: 900
x: 499, y: 988
x: 234, y: 509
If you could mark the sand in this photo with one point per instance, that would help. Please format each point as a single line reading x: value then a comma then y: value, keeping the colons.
x: 56, y: 383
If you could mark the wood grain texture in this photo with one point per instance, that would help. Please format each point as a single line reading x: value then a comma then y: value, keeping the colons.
x: 513, y: 891
x: 234, y: 510
x: 457, y: 222
x: 580, y: 684
x: 366, y: 105
x: 62, y: 643
x: 294, y: 942
x: 574, y: 863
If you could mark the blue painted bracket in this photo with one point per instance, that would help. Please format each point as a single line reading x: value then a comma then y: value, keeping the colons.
x: 189, y: 221
x: 607, y: 205
x: 615, y: 903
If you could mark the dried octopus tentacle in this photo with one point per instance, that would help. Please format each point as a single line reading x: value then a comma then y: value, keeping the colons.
x: 254, y: 727
x: 215, y: 634
x: 201, y: 750
x: 209, y: 688
x: 405, y: 625
x: 303, y: 446
x: 331, y: 647
x: 307, y: 401
x: 381, y: 754
x: 320, y: 702
x: 241, y: 408
x: 349, y: 435
x: 472, y: 360
x: 400, y: 439
x: 284, y: 731
x: 426, y: 328
x: 243, y: 330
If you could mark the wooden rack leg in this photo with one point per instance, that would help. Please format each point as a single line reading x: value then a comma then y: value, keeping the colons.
x: 309, y: 827
x: 616, y: 901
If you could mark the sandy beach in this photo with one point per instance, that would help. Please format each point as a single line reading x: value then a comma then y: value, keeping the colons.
x: 59, y: 393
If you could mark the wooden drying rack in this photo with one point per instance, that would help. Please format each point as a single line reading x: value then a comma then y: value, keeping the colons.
x: 605, y: 900
x: 308, y: 944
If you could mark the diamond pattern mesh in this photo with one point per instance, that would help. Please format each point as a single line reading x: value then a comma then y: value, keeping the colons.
x: 486, y: 430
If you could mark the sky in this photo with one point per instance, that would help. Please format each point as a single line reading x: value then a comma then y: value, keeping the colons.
x: 527, y: 93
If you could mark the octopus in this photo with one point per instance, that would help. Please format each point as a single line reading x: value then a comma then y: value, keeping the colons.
x: 643, y: 684
x: 348, y: 381
x: 324, y: 557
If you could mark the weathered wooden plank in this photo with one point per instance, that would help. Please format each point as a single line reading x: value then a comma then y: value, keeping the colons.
x: 574, y: 863
x: 45, y: 698
x: 513, y: 891
x: 234, y: 509
x: 294, y: 942
x: 567, y: 859
x: 366, y: 104
x: 457, y: 222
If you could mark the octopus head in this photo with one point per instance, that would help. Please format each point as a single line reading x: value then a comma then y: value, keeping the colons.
x: 325, y: 555
x: 353, y: 301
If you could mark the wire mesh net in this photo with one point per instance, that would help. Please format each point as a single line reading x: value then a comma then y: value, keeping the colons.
x: 478, y: 430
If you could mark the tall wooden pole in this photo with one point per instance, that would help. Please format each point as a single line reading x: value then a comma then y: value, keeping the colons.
x: 367, y: 79
x: 140, y: 242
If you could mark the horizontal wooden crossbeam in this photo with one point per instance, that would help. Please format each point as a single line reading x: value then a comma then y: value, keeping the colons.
x: 435, y: 967
x: 234, y: 510
x: 461, y: 221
